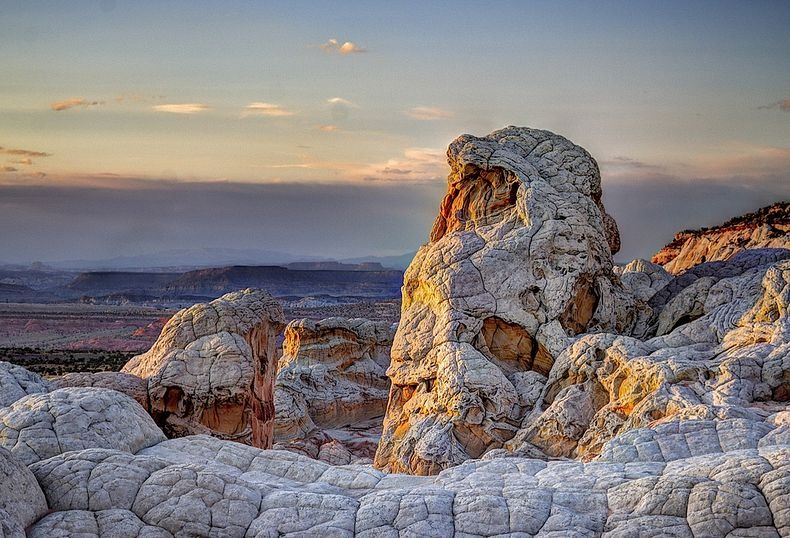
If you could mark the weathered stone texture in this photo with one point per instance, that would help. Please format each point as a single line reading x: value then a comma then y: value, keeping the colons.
x: 332, y: 376
x: 212, y: 369
x: 519, y: 259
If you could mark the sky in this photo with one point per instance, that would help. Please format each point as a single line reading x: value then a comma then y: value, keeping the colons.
x: 319, y: 128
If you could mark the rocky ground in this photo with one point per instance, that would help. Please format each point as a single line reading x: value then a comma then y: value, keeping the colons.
x: 531, y: 389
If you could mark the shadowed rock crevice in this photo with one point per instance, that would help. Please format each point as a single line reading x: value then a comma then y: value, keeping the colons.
x: 480, y: 197
x: 512, y: 348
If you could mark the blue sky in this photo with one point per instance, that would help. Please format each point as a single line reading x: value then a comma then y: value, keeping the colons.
x: 666, y: 95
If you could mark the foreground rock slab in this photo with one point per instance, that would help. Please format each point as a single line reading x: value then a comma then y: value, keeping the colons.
x: 212, y: 369
x: 204, y: 486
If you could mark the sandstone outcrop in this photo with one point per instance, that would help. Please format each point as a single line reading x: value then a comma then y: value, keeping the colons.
x: 721, y: 356
x: 519, y: 259
x: 332, y: 376
x: 212, y: 369
x: 768, y: 227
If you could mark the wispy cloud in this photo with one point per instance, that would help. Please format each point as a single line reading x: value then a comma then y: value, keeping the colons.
x: 347, y: 47
x: 181, y: 108
x: 74, y: 102
x: 266, y: 109
x: 416, y: 165
x: 620, y: 163
x: 328, y: 128
x: 427, y: 113
x: 341, y: 101
x: 23, y: 152
x: 784, y: 105
x: 22, y: 157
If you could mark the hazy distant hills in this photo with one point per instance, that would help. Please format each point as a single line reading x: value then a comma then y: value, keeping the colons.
x: 186, y: 259
x: 304, y: 279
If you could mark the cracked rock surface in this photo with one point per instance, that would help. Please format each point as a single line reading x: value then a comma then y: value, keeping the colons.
x: 39, y: 426
x: 212, y: 369
x: 519, y: 259
x: 205, y: 486
x: 16, y: 382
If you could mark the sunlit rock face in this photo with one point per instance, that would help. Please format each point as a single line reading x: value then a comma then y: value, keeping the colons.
x: 212, y: 369
x: 768, y: 227
x: 332, y: 374
x: 519, y: 259
x: 719, y: 367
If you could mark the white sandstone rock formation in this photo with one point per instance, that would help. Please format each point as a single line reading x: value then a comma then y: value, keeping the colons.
x: 519, y: 260
x: 212, y: 369
x: 725, y: 358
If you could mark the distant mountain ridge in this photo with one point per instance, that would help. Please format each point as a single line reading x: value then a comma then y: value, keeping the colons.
x: 186, y: 259
x: 366, y: 280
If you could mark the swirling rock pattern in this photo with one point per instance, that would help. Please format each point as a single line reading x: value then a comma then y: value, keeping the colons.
x: 332, y: 376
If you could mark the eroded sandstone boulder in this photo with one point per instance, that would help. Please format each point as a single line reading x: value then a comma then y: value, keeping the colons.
x: 332, y: 374
x: 22, y: 501
x: 212, y: 369
x: 519, y: 259
x: 16, y: 382
x: 39, y: 426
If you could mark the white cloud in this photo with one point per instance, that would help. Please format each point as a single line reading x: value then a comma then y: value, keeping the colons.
x: 266, y: 109
x: 348, y: 47
x: 341, y: 101
x: 426, y: 113
x: 182, y: 108
x: 340, y: 108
